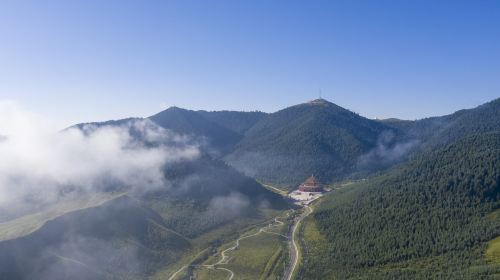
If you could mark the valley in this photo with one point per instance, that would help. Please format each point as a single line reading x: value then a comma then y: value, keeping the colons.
x: 386, y: 199
x: 259, y: 251
x: 294, y: 248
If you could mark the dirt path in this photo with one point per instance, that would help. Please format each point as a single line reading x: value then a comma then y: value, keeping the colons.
x: 225, y: 258
x: 294, y: 251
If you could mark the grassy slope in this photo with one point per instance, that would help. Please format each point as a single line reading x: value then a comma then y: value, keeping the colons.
x: 492, y: 253
x: 212, y: 274
x: 119, y: 237
x: 29, y: 223
x: 251, y: 259
x: 313, y: 244
x: 259, y: 257
x: 216, y: 239
x: 193, y: 209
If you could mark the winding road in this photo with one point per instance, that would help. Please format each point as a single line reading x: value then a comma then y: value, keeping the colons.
x: 225, y: 258
x: 294, y: 251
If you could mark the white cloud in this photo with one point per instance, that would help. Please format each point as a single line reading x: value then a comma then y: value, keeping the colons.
x: 36, y: 159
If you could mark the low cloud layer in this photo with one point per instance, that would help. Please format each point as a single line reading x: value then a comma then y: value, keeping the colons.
x: 37, y: 159
x: 228, y: 207
x: 77, y: 255
x: 387, y: 151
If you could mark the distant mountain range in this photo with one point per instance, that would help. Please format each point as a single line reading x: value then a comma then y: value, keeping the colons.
x: 318, y: 137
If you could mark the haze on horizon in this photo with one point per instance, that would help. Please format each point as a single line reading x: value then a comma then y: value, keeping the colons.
x: 91, y: 60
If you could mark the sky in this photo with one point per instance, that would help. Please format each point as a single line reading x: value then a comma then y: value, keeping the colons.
x: 84, y: 60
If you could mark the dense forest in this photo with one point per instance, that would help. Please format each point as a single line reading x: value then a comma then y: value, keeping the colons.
x: 187, y: 122
x: 316, y: 137
x: 236, y: 121
x: 427, y: 219
x: 443, y: 130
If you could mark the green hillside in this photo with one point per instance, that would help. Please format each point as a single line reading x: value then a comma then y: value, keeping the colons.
x: 25, y: 223
x: 119, y: 238
x: 110, y: 236
x: 207, y: 193
x: 316, y: 137
x: 427, y: 219
x: 437, y: 131
x: 187, y: 122
x: 238, y: 122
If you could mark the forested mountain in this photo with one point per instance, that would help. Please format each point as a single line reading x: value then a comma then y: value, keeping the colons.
x: 436, y: 131
x: 206, y: 193
x: 317, y: 138
x: 187, y: 122
x: 238, y: 122
x: 430, y: 218
x: 215, y: 130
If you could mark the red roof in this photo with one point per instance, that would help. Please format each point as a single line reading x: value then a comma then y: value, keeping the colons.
x: 311, y: 185
x: 311, y: 181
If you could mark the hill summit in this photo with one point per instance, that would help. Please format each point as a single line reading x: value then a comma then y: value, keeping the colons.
x: 317, y: 137
x: 319, y: 101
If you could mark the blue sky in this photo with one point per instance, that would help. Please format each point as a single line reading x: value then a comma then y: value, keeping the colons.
x: 89, y: 60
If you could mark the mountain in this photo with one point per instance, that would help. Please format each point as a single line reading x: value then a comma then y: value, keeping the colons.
x: 206, y: 194
x: 442, y: 130
x: 429, y: 218
x: 429, y: 210
x: 433, y: 217
x: 131, y: 233
x: 317, y: 138
x: 238, y: 122
x: 116, y: 240
x: 187, y: 122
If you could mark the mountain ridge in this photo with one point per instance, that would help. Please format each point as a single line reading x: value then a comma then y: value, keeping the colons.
x: 266, y: 145
x: 326, y: 133
x: 446, y: 164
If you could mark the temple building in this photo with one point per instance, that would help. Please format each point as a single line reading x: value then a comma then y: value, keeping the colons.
x: 311, y: 185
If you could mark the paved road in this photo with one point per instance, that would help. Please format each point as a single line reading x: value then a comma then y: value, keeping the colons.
x: 294, y: 252
x: 225, y: 258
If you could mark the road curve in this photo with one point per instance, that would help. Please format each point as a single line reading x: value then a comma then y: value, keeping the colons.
x: 225, y: 259
x: 294, y: 252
